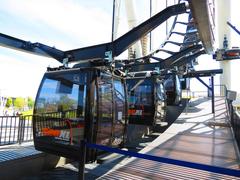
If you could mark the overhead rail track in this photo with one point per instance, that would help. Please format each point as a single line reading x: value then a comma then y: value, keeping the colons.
x: 204, y: 21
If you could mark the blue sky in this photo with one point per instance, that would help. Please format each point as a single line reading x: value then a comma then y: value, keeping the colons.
x: 65, y: 24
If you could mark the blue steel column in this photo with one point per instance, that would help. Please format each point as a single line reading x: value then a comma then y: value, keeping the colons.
x: 212, y: 89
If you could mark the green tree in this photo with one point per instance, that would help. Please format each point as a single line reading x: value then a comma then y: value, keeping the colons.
x: 9, y: 102
x: 19, y: 103
x: 30, y: 102
x: 66, y: 103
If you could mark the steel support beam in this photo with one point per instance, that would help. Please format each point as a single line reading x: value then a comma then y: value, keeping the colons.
x: 201, y: 81
x: 34, y: 48
x: 185, y: 60
x: 178, y: 59
x: 203, y: 73
x: 233, y: 27
x: 210, y: 89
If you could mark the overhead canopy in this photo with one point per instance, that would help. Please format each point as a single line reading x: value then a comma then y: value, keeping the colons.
x: 203, y: 19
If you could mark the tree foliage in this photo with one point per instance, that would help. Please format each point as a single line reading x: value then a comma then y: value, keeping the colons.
x: 66, y: 103
x: 30, y: 102
x: 19, y: 103
x: 9, y: 102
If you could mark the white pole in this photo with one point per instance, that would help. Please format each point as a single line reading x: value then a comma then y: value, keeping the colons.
x: 116, y: 18
x: 132, y: 22
x: 223, y: 14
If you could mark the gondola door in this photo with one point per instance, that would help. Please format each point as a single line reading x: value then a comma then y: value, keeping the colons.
x: 105, y: 109
x: 120, y: 117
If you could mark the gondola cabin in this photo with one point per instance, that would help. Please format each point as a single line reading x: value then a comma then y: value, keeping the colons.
x: 146, y: 98
x: 77, y: 103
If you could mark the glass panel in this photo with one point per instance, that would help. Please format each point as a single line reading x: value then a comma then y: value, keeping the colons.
x: 160, y: 105
x: 60, y: 107
x: 141, y: 101
x: 160, y: 94
x: 119, y: 123
x: 169, y: 83
x: 105, y: 109
x: 140, y: 97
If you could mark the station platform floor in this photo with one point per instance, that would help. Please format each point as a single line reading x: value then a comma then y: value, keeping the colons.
x: 196, y: 136
x: 20, y: 160
x: 15, y: 151
x: 16, y: 159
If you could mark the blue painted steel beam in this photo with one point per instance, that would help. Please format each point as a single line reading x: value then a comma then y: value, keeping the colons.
x: 213, y: 94
x: 34, y: 48
x: 178, y: 59
x: 199, y: 79
x: 203, y: 73
x: 209, y: 88
x: 233, y: 27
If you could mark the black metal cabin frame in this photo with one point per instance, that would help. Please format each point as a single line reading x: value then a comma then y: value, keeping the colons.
x: 94, y: 126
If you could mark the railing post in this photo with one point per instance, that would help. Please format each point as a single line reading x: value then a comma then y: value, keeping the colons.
x: 82, y: 160
x: 19, y: 130
x: 232, y: 112
x: 1, y: 128
x: 21, y: 127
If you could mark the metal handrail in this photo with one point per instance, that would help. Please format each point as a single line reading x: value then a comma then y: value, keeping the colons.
x: 15, y: 129
x: 206, y: 93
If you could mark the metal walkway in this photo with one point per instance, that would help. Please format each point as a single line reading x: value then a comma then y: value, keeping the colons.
x: 13, y: 152
x: 17, y: 161
x: 196, y: 136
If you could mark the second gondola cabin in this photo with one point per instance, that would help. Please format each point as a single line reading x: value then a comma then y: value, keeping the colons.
x: 147, y: 102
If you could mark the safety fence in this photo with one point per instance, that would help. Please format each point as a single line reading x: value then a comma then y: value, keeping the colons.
x: 219, y: 91
x: 198, y: 166
x: 15, y: 129
x: 234, y: 114
x: 235, y: 122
